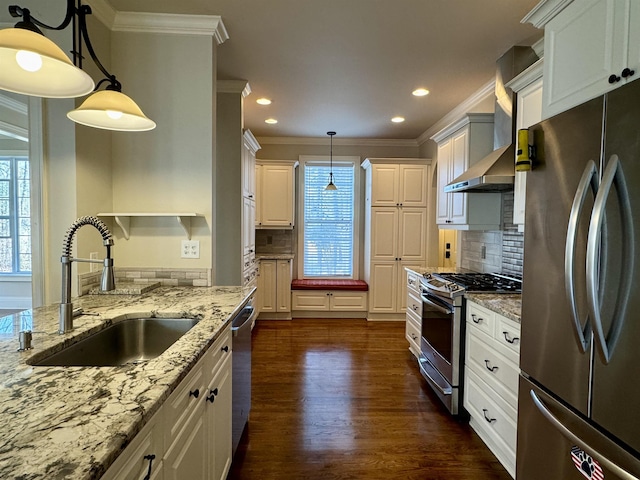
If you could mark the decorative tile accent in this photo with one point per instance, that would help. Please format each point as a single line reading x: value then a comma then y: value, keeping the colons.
x: 185, y: 277
x: 275, y: 241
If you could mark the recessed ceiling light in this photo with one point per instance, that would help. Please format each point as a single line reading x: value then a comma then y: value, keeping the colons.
x: 397, y: 119
x: 420, y: 92
x: 271, y: 121
x: 263, y: 101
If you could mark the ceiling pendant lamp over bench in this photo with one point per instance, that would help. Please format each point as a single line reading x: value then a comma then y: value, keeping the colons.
x: 331, y: 185
x: 34, y: 65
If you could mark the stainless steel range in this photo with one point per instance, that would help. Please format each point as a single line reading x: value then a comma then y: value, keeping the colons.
x: 443, y: 314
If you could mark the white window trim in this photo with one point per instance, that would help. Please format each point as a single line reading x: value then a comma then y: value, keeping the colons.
x: 324, y: 160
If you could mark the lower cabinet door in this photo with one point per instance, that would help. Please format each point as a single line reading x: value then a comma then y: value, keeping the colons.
x: 219, y: 425
x: 187, y: 456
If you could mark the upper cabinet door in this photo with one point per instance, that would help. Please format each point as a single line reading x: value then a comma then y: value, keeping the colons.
x: 588, y: 46
x: 459, y: 164
x: 276, y: 201
x: 384, y: 185
x: 413, y: 186
x: 444, y: 174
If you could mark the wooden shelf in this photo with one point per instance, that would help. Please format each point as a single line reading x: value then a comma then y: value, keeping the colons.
x: 124, y: 219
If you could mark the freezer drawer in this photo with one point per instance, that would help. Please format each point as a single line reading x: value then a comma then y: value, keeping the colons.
x: 566, y: 448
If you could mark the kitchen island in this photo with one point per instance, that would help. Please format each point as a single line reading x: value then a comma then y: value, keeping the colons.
x: 73, y: 422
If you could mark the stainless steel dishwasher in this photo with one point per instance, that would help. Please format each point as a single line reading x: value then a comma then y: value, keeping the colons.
x: 241, y: 371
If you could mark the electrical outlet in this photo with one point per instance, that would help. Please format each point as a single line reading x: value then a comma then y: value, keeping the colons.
x: 190, y: 249
x: 94, y: 267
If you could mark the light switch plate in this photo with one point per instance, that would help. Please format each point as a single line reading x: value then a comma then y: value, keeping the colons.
x: 190, y: 249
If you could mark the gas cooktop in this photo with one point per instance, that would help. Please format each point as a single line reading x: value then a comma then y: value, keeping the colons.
x: 482, y: 282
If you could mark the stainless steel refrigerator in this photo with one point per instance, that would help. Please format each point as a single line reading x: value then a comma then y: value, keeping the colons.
x: 579, y: 397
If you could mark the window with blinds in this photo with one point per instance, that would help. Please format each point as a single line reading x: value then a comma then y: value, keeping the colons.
x: 15, y: 216
x: 328, y: 221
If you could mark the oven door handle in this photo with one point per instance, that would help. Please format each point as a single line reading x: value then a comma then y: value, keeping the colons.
x: 440, y: 308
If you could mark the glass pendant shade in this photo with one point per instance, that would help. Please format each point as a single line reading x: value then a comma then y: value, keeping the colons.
x: 111, y: 110
x: 34, y: 65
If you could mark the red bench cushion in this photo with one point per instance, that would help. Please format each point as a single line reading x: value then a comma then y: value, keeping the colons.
x: 328, y: 284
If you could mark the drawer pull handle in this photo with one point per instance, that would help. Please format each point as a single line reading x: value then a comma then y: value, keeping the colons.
x: 486, y: 417
x: 414, y: 336
x: 476, y: 319
x: 491, y: 369
x: 225, y: 349
x: 510, y: 340
x: 151, y: 458
x: 415, y: 308
x: 195, y: 393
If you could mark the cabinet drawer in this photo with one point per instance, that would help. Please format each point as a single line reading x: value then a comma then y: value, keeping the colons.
x: 481, y: 318
x: 413, y: 283
x: 412, y: 331
x: 508, y: 334
x: 492, y: 415
x: 348, y: 301
x: 414, y: 304
x: 218, y: 353
x: 185, y: 399
x: 489, y: 361
x: 318, y: 300
x: 131, y: 463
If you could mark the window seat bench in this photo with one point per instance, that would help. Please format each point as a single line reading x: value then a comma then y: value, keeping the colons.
x: 326, y: 298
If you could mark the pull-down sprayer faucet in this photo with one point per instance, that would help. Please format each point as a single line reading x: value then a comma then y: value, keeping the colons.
x: 107, y: 281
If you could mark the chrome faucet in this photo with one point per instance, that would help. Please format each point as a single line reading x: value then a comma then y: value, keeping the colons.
x: 107, y: 281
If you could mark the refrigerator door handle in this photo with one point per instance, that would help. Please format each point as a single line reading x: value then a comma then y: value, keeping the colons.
x: 612, y: 173
x: 562, y: 428
x: 589, y: 179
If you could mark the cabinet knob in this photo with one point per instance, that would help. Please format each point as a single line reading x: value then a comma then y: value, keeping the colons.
x: 195, y: 393
x: 613, y: 78
x: 212, y: 395
x: 627, y: 72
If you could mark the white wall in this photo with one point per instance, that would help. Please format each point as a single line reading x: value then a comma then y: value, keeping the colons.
x: 169, y: 169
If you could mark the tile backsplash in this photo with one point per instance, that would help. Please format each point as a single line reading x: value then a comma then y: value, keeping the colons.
x: 190, y: 277
x: 275, y: 241
x: 495, y: 251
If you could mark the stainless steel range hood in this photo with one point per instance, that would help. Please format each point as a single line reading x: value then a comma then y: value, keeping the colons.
x: 496, y: 171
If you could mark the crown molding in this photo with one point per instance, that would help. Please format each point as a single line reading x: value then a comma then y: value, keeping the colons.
x: 14, y: 131
x: 461, y: 110
x: 545, y: 11
x: 361, y: 142
x: 234, y: 86
x: 13, y: 104
x: 251, y: 141
x: 462, y: 122
x: 141, y: 22
x: 527, y: 77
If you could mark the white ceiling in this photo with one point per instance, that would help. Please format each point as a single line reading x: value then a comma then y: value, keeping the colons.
x: 351, y: 65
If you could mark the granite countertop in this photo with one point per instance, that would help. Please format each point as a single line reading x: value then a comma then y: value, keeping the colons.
x: 506, y: 304
x: 72, y: 422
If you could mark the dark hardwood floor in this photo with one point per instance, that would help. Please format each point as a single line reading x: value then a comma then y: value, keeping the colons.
x: 343, y: 399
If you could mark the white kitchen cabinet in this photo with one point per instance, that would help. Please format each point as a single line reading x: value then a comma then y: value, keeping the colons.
x: 528, y: 88
x: 274, y: 284
x: 461, y: 145
x: 190, y: 435
x: 249, y: 266
x: 275, y: 201
x: 413, y: 331
x: 588, y: 45
x: 250, y: 148
x: 395, y: 233
x: 398, y: 185
x: 492, y: 354
x: 328, y: 301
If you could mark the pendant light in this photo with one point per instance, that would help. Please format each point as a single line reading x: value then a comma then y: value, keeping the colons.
x: 108, y: 109
x: 331, y: 185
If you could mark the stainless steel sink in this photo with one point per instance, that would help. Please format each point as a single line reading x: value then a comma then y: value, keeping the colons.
x: 129, y: 341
